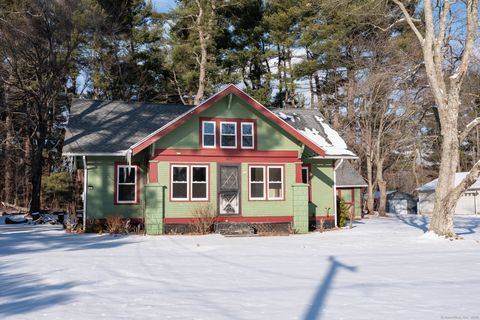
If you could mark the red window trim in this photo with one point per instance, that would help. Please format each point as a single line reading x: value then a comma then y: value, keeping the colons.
x: 265, y: 188
x: 189, y: 182
x: 115, y: 178
x: 238, y: 123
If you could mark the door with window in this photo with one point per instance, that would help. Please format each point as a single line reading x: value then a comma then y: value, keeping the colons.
x: 228, y: 189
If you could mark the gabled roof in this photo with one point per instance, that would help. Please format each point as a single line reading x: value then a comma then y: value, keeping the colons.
x: 459, y: 176
x: 118, y: 128
x: 231, y: 89
x: 313, y: 126
x: 112, y: 127
x: 347, y: 176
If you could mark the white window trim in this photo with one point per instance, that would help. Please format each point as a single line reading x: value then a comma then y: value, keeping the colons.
x: 172, y: 182
x: 250, y: 182
x: 252, y: 135
x: 235, y: 135
x: 214, y: 135
x: 132, y: 167
x: 281, y: 183
x: 192, y: 182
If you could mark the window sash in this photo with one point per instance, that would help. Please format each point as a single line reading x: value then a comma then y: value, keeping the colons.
x: 247, y: 135
x: 260, y: 182
x: 192, y: 183
x: 185, y: 182
x: 234, y: 134
x: 125, y: 167
x: 306, y: 174
x: 275, y: 182
x: 204, y: 134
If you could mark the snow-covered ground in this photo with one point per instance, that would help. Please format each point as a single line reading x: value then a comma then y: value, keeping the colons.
x: 382, y: 269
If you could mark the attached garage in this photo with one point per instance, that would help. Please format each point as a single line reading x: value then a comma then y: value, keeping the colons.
x: 468, y: 204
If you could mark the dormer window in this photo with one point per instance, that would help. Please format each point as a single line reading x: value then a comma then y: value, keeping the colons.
x: 228, y: 135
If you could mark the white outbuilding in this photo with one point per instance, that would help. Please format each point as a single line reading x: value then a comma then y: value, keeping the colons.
x: 469, y: 202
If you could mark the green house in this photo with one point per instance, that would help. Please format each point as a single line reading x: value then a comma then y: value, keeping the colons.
x: 162, y: 164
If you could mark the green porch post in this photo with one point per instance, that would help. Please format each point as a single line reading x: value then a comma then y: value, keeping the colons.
x: 300, y: 207
x: 154, y: 209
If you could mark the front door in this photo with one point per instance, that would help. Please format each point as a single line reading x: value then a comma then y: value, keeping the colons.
x: 229, y: 189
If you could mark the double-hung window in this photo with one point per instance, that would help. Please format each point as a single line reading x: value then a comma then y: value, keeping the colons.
x: 266, y: 183
x: 257, y: 183
x: 275, y: 183
x: 199, y: 182
x: 228, y: 135
x: 247, y: 135
x: 208, y: 134
x: 126, y: 184
x: 189, y: 182
x: 179, y: 176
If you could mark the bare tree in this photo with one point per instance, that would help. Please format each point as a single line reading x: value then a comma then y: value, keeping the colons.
x: 435, y: 38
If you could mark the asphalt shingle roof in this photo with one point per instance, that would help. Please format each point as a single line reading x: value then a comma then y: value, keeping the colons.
x: 114, y: 126
x: 347, y: 176
x: 313, y: 126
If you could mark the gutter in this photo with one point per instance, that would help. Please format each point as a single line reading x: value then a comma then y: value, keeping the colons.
x: 85, y: 187
x: 98, y: 154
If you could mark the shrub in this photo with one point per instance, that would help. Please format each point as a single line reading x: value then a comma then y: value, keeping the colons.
x: 57, y: 188
x: 342, y: 212
x: 116, y: 225
x: 203, y: 219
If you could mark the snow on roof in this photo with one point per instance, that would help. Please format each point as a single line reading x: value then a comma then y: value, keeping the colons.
x: 459, y: 176
x: 311, y: 125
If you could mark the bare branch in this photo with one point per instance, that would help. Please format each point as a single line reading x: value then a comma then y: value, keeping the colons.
x: 468, y: 129
x: 410, y: 21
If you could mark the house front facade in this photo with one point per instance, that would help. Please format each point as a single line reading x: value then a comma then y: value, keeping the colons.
x: 163, y: 163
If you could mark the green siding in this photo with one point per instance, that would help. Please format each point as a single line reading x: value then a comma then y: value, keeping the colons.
x: 100, y: 199
x: 183, y: 209
x: 300, y: 207
x: 322, y: 188
x: 251, y: 208
x: 269, y: 134
x: 358, y: 203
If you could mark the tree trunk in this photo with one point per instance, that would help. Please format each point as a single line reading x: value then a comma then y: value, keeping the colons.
x: 203, y: 66
x: 9, y: 161
x: 443, y: 210
x: 37, y: 166
x: 351, y: 106
x: 370, y: 199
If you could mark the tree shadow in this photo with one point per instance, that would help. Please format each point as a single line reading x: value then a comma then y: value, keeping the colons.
x: 22, y: 293
x: 416, y: 221
x: 314, y: 312
x: 469, y: 225
x: 23, y: 239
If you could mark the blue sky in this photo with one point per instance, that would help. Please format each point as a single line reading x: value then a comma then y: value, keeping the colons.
x: 163, y: 5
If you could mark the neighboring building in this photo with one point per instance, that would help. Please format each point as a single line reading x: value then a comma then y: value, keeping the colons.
x: 401, y: 203
x: 157, y: 163
x: 467, y: 204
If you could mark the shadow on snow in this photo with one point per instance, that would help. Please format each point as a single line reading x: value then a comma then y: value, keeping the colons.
x: 315, y: 310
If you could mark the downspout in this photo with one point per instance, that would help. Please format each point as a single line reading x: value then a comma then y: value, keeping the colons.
x: 85, y: 187
x: 335, y: 167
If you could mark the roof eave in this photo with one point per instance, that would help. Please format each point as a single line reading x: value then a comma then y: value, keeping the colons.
x: 97, y: 154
